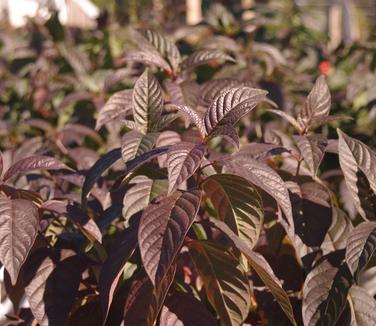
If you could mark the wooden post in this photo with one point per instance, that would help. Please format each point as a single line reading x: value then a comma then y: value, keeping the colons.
x: 193, y: 12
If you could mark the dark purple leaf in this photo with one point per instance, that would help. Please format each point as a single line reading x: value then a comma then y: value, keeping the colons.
x: 312, y: 149
x: 148, y: 57
x: 117, y: 106
x: 1, y: 164
x: 238, y: 204
x: 178, y: 309
x: 52, y: 289
x: 261, y: 267
x: 183, y: 160
x: 213, y: 88
x: 73, y: 98
x: 36, y: 162
x: 202, y: 57
x: 288, y: 118
x: 226, y: 285
x: 265, y: 178
x: 162, y: 230
x: 317, y: 105
x: 79, y: 217
x: 147, y: 102
x: 230, y: 106
x: 262, y: 151
x: 82, y: 130
x: 358, y: 164
x: 18, y: 231
x: 113, y: 267
x: 144, y: 301
x: 95, y: 172
x: 193, y: 117
x: 141, y: 194
x: 361, y: 246
x: 134, y: 144
x: 363, y: 306
x: 84, y: 157
x: 165, y: 47
x: 166, y: 138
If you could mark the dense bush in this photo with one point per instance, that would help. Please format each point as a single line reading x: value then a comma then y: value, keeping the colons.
x: 217, y: 174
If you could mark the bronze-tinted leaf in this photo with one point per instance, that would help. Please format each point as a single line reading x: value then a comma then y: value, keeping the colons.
x: 230, y: 106
x: 52, y: 289
x: 363, y: 307
x: 204, y: 56
x: 36, y: 162
x: 164, y: 121
x: 193, y: 117
x: 265, y: 178
x: 1, y: 164
x: 213, y: 88
x: 261, y: 267
x: 147, y: 101
x: 358, y: 164
x: 228, y: 132
x: 149, y: 57
x: 113, y: 267
x: 178, y: 309
x: 19, y: 223
x: 144, y: 301
x: 183, y: 160
x: 316, y: 290
x: 117, y: 106
x: 225, y: 282
x: 141, y: 194
x: 262, y: 151
x: 312, y: 149
x: 238, y: 204
x: 84, y: 157
x: 81, y: 130
x: 87, y: 225
x: 361, y: 246
x: 317, y: 105
x: 134, y: 143
x: 162, y: 230
x: 165, y: 47
x: 311, y: 211
x: 331, y: 310
x: 166, y: 138
x: 337, y: 235
x: 184, y: 92
x: 288, y: 118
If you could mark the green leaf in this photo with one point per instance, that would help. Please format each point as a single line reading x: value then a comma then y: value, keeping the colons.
x: 238, y: 204
x: 226, y: 285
